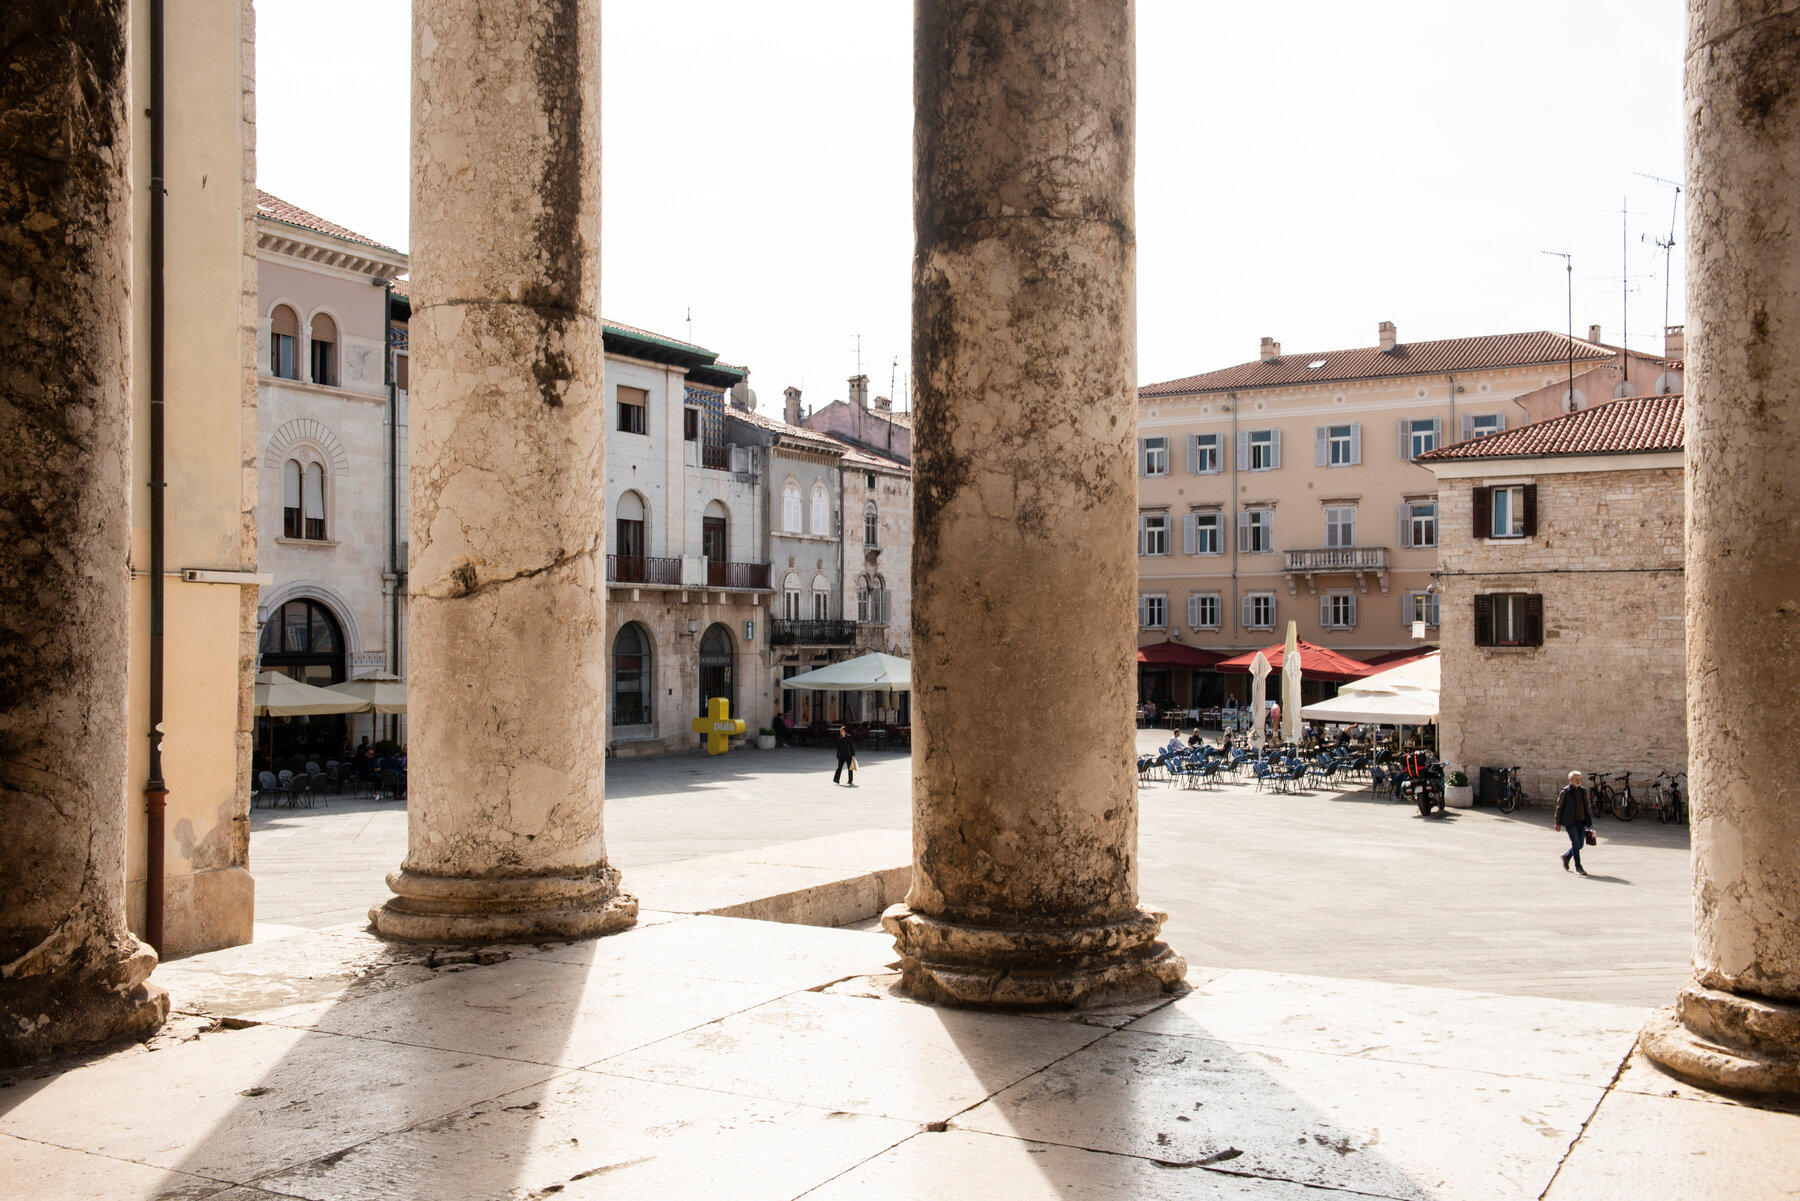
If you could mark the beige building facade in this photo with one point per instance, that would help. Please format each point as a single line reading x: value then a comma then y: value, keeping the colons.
x: 1561, y: 578
x: 1289, y: 488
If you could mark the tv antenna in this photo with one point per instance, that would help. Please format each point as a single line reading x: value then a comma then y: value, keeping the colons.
x: 1569, y: 269
x: 1666, y: 245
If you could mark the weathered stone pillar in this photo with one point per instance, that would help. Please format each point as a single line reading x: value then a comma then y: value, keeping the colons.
x: 507, y: 680
x: 1737, y: 1024
x: 1024, y: 361
x: 71, y: 974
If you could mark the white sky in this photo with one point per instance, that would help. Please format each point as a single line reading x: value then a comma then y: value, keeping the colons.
x: 1306, y: 168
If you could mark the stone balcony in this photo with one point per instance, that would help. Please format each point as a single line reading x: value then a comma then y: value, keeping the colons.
x: 1360, y: 562
x: 811, y: 633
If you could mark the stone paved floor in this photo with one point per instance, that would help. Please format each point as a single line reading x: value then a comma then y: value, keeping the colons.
x: 1328, y: 884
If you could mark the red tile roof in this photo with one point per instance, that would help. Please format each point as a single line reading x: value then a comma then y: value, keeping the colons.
x: 1371, y: 362
x: 793, y: 433
x: 1640, y: 425
x: 277, y: 209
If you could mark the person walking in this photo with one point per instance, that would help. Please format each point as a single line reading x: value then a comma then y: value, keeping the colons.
x: 1574, y: 816
x: 846, y: 756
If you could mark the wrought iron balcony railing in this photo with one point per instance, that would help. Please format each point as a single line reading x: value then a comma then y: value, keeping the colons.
x: 811, y: 633
x: 636, y: 569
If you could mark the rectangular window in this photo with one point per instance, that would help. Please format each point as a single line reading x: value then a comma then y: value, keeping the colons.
x: 630, y: 541
x: 1419, y: 606
x: 632, y: 404
x: 1482, y: 425
x: 281, y: 356
x: 1418, y: 523
x: 1153, y: 456
x: 1258, y: 611
x: 324, y: 368
x: 1418, y: 436
x: 1153, y: 533
x: 690, y: 425
x: 1204, y: 611
x: 1203, y: 454
x: 1201, y: 535
x: 1509, y: 619
x: 1153, y: 610
x: 1508, y: 511
x: 1337, y: 610
x: 1256, y: 531
x: 1337, y: 445
x: 821, y: 606
x: 1259, y: 450
x: 1340, y: 527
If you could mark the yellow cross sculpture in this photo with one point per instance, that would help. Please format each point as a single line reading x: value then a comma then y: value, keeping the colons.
x: 718, y: 725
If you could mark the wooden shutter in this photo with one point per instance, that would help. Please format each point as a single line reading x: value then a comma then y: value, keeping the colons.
x: 1190, y: 533
x: 1193, y: 612
x: 1431, y: 608
x: 1484, y: 516
x: 1484, y: 620
x: 1352, y: 614
x: 1243, y: 450
x: 1530, y: 509
x: 1468, y: 427
x: 1405, y: 539
x: 1243, y: 532
x: 1534, y: 620
x: 1324, y: 611
x: 1406, y: 439
x: 1437, y: 432
x: 1142, y: 442
x: 1143, y: 610
x: 1274, y: 449
x: 1143, y: 528
x: 1321, y: 445
x: 1245, y: 611
x: 1356, y: 441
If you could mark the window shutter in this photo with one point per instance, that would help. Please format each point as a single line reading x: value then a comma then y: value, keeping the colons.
x: 1141, y: 459
x: 1437, y: 432
x: 1468, y: 426
x: 1143, y: 610
x: 1143, y: 534
x: 1484, y: 620
x: 1405, y: 443
x: 1321, y: 445
x: 1324, y: 611
x: 1500, y: 421
x: 1534, y: 620
x: 1243, y: 532
x: 1356, y: 442
x: 1193, y: 442
x: 1274, y: 449
x: 290, y: 485
x: 1431, y: 605
x: 1190, y: 534
x: 1484, y: 517
x: 1243, y: 450
x: 1193, y: 612
x: 315, y: 493
x: 1530, y: 507
x: 1405, y: 539
x: 1245, y: 610
x: 1352, y: 614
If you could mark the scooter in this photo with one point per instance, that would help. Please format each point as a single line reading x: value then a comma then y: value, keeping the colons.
x: 1424, y: 787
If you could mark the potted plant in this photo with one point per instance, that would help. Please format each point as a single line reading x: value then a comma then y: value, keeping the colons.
x: 1458, y: 793
x: 765, y: 739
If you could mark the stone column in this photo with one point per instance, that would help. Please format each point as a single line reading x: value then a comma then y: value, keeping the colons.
x: 507, y: 679
x: 71, y: 974
x: 1025, y: 497
x: 1737, y: 1023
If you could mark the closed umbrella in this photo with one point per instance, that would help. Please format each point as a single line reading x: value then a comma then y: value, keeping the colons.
x: 1259, y: 673
x: 1290, y: 687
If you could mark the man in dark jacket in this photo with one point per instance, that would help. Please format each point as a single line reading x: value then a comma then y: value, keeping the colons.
x: 1574, y: 816
x: 846, y: 756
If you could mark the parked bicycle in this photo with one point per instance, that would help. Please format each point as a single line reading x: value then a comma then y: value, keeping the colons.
x: 1512, y: 793
x: 1666, y: 798
x: 1601, y: 794
x: 1624, y: 804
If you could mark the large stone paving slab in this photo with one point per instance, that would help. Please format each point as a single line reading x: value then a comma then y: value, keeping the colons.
x: 1640, y: 1147
x: 44, y: 1172
x: 735, y: 949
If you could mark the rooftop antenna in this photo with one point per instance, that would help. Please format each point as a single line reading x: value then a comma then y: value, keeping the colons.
x: 1569, y: 267
x: 1666, y: 245
x: 690, y: 320
x: 1624, y: 291
x: 893, y: 375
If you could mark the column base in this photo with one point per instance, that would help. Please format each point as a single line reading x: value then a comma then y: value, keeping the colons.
x: 58, y: 1013
x: 503, y: 909
x: 1069, y: 967
x: 1721, y: 1040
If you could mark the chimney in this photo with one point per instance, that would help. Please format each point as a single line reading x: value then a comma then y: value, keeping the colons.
x: 859, y: 391
x: 1593, y: 333
x: 883, y: 405
x: 1675, y: 342
x: 1387, y: 334
x: 742, y: 397
x: 1271, y: 349
x: 792, y: 413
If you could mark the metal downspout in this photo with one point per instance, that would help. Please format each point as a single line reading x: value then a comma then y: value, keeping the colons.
x: 156, y: 792
x: 395, y: 576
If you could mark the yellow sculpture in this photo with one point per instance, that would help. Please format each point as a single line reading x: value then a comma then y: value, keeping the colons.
x: 718, y: 725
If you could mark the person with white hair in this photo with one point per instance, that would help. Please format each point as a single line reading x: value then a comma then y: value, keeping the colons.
x: 1576, y: 817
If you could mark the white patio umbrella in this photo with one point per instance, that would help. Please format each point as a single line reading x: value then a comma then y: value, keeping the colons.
x: 382, y: 692
x: 1259, y: 674
x: 283, y: 696
x: 866, y: 673
x: 1290, y: 687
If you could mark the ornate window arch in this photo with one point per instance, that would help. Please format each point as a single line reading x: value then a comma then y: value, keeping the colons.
x: 790, y: 507
x: 871, y: 524
x: 790, y: 596
x: 821, y: 508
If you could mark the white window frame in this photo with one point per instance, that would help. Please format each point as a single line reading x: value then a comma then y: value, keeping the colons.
x: 1153, y: 610
x: 1419, y: 605
x: 1153, y: 455
x: 1203, y: 532
x: 1198, y: 604
x: 1205, y: 454
x: 1340, y: 527
x: 1410, y: 435
x: 1337, y: 445
x: 821, y: 509
x: 1259, y: 450
x: 1411, y: 521
x: 791, y: 605
x: 1256, y: 526
x: 1248, y: 606
x: 1513, y: 510
x: 791, y: 513
x: 1337, y: 610
x: 1153, y: 533
x: 1482, y: 425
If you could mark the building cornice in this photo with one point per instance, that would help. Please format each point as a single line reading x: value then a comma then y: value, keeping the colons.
x: 280, y: 239
x: 1466, y: 469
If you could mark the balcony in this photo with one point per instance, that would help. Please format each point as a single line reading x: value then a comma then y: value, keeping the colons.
x: 811, y: 633
x: 636, y: 569
x: 1358, y: 561
x: 737, y: 575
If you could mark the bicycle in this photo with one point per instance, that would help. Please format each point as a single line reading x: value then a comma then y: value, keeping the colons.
x: 1512, y: 793
x: 1600, y: 796
x: 1667, y: 800
x: 1624, y: 805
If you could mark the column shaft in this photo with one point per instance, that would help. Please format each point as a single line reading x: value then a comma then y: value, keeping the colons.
x: 507, y: 677
x: 1024, y: 360
x: 1737, y: 1025
x: 71, y: 974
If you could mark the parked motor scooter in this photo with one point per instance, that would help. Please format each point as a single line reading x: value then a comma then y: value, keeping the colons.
x: 1422, y: 782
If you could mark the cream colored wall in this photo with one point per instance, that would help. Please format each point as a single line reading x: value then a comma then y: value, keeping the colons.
x: 1299, y: 490
x: 211, y: 399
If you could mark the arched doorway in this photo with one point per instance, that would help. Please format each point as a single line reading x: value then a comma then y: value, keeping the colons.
x: 305, y: 640
x: 633, y: 682
x: 715, y: 668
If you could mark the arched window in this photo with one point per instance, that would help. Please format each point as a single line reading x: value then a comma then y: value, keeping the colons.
x: 821, y: 598
x: 821, y: 510
x: 715, y: 667
x: 871, y: 525
x: 313, y: 501
x: 324, y: 350
x: 630, y: 540
x: 862, y: 598
x: 790, y: 596
x: 790, y: 507
x: 303, y: 639
x: 714, y: 526
x: 291, y: 475
x: 632, y: 680
x: 878, y: 600
x: 284, y: 337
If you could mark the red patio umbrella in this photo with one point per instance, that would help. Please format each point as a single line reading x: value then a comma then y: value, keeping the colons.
x: 1174, y: 654
x: 1316, y: 662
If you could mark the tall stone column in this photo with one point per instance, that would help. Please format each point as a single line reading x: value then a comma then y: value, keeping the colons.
x: 1737, y: 1023
x: 71, y: 974
x: 1025, y: 497
x: 507, y: 676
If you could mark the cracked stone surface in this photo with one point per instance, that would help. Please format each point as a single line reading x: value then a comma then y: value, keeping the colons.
x: 71, y: 974
x: 1024, y: 348
x: 1743, y: 541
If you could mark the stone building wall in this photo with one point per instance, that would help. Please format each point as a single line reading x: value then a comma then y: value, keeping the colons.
x: 890, y: 558
x: 1606, y: 691
x: 675, y: 663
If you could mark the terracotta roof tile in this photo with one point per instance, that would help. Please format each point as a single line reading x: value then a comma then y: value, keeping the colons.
x: 1371, y: 362
x: 1640, y: 425
x: 861, y: 457
x: 792, y: 432
x: 277, y: 209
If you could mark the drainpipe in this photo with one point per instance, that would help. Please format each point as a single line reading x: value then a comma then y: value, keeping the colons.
x: 156, y: 792
x: 1236, y: 612
x: 395, y: 575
